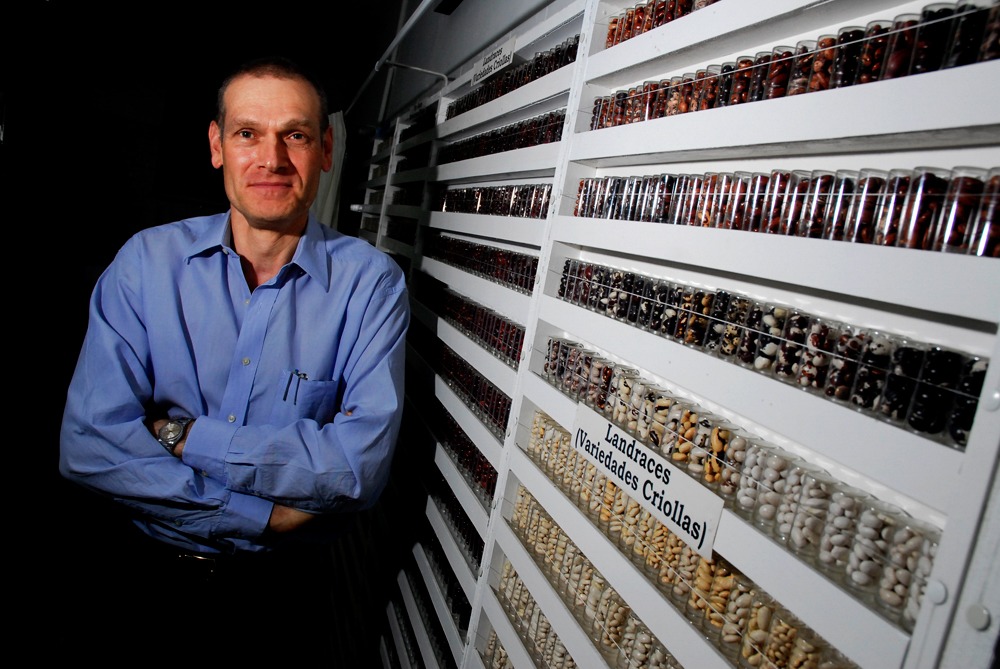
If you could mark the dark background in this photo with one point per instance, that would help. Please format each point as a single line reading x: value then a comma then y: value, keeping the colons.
x: 105, y: 117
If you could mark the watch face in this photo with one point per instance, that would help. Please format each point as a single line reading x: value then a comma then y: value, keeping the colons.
x: 171, y: 431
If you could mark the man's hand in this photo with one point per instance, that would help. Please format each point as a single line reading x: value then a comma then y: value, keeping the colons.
x: 154, y: 426
x: 286, y: 519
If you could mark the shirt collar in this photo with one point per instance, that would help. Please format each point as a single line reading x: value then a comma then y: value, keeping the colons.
x: 310, y: 254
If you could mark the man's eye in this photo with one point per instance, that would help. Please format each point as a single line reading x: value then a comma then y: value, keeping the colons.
x: 245, y: 134
x: 298, y: 136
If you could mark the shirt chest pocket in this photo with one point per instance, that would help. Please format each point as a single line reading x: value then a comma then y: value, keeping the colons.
x: 302, y: 397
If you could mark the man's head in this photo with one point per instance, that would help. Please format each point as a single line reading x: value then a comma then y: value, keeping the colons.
x: 272, y: 139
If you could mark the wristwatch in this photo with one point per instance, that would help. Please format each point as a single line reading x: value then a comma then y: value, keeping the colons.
x: 172, y: 432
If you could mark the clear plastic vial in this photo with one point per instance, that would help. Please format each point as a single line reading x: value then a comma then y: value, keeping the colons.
x: 877, y: 524
x: 724, y: 578
x: 933, y: 33
x: 658, y: 437
x: 814, y: 361
x: 697, y: 606
x: 818, y: 488
x: 873, y: 366
x: 922, y: 209
x: 609, y: 622
x: 636, y: 645
x: 807, y: 650
x: 776, y: 465
x: 751, y: 475
x: 768, y: 342
x: 670, y: 562
x: 732, y: 465
x: 901, y: 380
x: 801, y: 69
x: 961, y: 203
x: 698, y: 462
x: 910, y: 560
x: 735, y: 323
x: 684, y: 576
x: 963, y: 409
x: 786, y: 361
x: 835, y: 219
x: 758, y: 627
x: 889, y: 210
x: 985, y: 241
x: 791, y: 499
x: 844, y: 359
x: 935, y: 391
x: 873, y: 49
x: 778, y: 71
x: 921, y: 565
x: 781, y: 637
x: 717, y: 463
x: 861, y: 216
x: 736, y: 615
x: 902, y: 42
x: 846, y: 56
x: 629, y: 526
x: 684, y: 423
x: 620, y: 394
x: 656, y: 549
x: 837, y: 536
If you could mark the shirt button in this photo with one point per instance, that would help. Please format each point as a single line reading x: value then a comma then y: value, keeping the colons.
x: 246, y: 361
x: 232, y: 418
x: 246, y: 301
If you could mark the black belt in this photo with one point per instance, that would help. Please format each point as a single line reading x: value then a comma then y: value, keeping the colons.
x: 210, y: 568
x: 203, y: 567
x: 200, y: 567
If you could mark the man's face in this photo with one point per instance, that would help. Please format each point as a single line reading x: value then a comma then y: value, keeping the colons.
x: 271, y: 150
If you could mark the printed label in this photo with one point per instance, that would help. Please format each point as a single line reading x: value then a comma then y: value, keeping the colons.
x: 493, y: 61
x: 687, y: 508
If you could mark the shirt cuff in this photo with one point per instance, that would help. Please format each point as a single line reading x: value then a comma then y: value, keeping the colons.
x: 207, y: 446
x: 245, y: 516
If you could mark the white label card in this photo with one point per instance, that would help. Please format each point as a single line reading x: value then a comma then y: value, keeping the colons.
x: 493, y: 61
x: 687, y: 508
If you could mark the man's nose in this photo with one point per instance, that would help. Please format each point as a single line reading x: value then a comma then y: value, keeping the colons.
x: 272, y: 154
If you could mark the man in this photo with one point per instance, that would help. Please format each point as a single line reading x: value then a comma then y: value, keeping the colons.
x: 239, y: 390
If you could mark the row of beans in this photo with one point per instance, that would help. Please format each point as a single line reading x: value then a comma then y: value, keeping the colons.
x: 928, y: 389
x: 942, y: 35
x: 512, y: 78
x: 952, y: 210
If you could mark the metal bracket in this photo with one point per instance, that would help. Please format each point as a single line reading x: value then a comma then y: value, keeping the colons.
x: 447, y: 80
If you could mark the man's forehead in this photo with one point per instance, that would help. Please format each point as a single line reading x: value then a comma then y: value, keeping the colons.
x: 254, y: 94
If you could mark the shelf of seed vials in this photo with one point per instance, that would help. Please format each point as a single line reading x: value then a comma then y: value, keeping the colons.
x: 927, y: 389
x: 614, y: 629
x: 876, y: 551
x: 747, y: 626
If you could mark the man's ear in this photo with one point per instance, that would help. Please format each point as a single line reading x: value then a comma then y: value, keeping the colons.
x: 215, y: 143
x: 327, y: 149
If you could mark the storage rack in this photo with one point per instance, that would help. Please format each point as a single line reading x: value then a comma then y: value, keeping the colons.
x: 948, y: 118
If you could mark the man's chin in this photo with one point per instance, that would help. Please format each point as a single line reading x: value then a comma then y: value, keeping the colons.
x: 274, y: 218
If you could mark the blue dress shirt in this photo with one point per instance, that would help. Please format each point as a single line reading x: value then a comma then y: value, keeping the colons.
x: 269, y: 376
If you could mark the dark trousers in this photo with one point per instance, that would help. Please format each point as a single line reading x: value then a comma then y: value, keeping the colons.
x: 146, y: 603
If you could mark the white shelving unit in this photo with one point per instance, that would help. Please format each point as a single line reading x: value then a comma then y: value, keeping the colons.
x: 455, y: 642
x: 397, y: 635
x: 424, y: 643
x: 947, y: 118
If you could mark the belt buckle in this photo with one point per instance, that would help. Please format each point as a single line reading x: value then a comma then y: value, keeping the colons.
x: 199, y: 565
